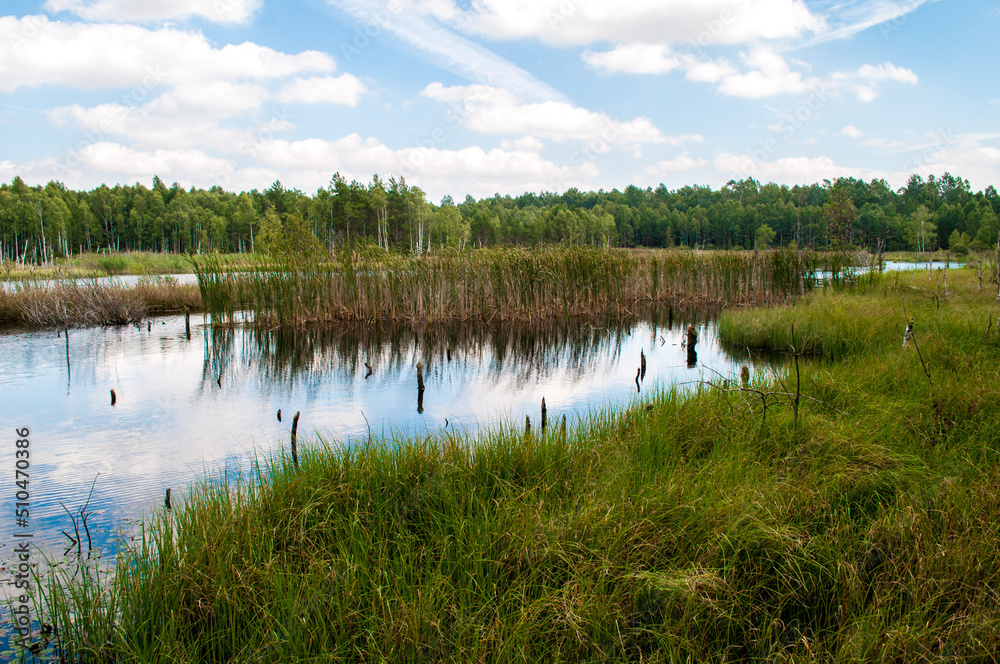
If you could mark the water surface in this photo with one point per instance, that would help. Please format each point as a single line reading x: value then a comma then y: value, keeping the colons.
x: 188, y: 407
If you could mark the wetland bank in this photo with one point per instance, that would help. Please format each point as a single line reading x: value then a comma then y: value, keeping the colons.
x: 704, y: 525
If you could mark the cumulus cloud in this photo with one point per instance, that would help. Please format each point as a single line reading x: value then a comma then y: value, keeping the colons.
x: 344, y: 89
x: 851, y: 132
x: 35, y: 51
x: 865, y: 82
x: 763, y: 71
x: 768, y: 75
x: 787, y: 170
x: 635, y: 59
x: 683, y: 162
x: 491, y: 110
x: 572, y: 22
x: 217, y: 11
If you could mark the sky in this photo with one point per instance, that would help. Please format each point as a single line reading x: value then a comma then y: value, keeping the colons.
x: 479, y: 97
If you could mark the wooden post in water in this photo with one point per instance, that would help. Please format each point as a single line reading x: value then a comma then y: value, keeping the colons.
x: 187, y: 324
x: 114, y: 397
x: 642, y: 365
x: 279, y: 414
x: 527, y: 425
x: 692, y: 341
x: 295, y: 426
x: 167, y: 500
x: 420, y: 387
x: 68, y: 371
x: 562, y: 427
x: 545, y: 415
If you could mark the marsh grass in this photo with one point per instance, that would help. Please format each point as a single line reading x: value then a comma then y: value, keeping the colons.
x: 88, y: 265
x: 81, y: 303
x: 496, y: 285
x: 684, y: 528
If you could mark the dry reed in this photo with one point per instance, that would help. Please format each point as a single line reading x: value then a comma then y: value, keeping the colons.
x: 493, y: 286
x: 79, y: 304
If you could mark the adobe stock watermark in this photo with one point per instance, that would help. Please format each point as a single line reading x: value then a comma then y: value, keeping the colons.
x: 941, y: 139
x: 693, y: 50
x: 586, y: 156
x: 415, y: 158
x: 30, y: 27
x: 251, y: 148
x: 790, y: 122
x: 133, y: 98
x: 887, y: 28
x: 370, y: 28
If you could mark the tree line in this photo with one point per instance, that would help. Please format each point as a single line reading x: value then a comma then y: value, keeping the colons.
x: 41, y: 223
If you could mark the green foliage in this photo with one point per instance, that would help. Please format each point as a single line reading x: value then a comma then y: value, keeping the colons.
x: 41, y: 224
x: 921, y: 231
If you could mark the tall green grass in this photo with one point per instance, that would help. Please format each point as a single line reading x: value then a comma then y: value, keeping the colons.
x: 495, y: 285
x: 685, y: 528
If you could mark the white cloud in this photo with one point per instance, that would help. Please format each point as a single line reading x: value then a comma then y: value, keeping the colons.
x: 113, y: 162
x: 852, y: 132
x: 471, y: 169
x: 573, y: 22
x: 345, y: 89
x: 186, y: 116
x: 35, y: 51
x: 765, y: 72
x: 218, y: 11
x: 866, y: 80
x: 683, y: 162
x: 976, y: 157
x: 769, y: 75
x: 492, y: 110
x: 855, y: 16
x: 787, y: 170
x: 415, y: 25
x: 635, y: 59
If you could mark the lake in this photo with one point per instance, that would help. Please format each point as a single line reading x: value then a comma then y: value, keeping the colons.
x: 186, y: 408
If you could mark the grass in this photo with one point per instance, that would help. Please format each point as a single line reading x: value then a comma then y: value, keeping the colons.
x: 685, y: 528
x: 497, y: 285
x: 85, y: 303
x: 89, y: 265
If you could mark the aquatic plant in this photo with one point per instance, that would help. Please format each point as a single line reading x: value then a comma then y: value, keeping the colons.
x: 495, y: 285
x: 87, y: 302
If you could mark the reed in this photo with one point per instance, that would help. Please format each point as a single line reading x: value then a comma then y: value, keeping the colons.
x: 496, y: 285
x: 85, y: 303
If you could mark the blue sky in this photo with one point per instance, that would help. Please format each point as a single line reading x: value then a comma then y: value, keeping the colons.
x: 486, y: 96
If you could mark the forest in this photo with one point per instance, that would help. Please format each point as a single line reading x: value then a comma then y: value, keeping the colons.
x: 41, y: 223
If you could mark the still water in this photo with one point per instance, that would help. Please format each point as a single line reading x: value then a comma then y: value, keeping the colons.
x: 190, y: 407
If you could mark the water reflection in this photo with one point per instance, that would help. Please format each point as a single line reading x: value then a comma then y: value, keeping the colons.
x: 189, y: 404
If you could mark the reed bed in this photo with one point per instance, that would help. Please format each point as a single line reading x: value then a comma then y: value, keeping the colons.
x: 685, y: 528
x: 505, y: 285
x: 86, y: 303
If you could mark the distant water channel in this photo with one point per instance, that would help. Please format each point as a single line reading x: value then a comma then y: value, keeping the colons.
x: 190, y: 407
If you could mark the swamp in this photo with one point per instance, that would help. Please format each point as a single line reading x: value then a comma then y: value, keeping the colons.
x: 513, y: 455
